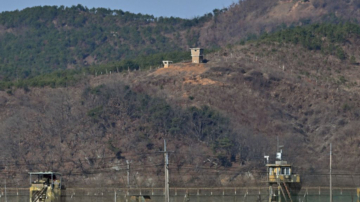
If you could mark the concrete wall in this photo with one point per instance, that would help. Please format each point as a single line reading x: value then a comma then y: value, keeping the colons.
x: 197, y: 52
x: 197, y: 59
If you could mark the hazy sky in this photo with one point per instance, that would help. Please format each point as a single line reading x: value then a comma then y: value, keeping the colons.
x: 178, y: 8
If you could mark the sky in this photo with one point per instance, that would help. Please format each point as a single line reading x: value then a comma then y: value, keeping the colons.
x: 176, y: 8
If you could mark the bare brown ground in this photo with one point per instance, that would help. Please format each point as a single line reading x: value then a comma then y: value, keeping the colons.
x: 188, y: 69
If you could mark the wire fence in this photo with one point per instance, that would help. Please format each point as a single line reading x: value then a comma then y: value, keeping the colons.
x: 224, y: 194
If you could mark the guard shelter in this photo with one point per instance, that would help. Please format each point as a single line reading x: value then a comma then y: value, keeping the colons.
x: 167, y: 63
x: 45, y: 186
x: 197, y: 55
x: 281, y: 171
x: 280, y: 176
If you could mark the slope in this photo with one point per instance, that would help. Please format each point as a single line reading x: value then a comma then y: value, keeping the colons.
x: 219, y: 117
x: 40, y: 40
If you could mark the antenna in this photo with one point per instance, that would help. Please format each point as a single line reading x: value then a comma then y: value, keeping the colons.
x: 278, y: 146
x: 278, y: 149
x: 267, y: 159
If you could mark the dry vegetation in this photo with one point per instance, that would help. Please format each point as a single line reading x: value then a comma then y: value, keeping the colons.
x: 250, y: 17
x: 261, y: 90
x: 219, y: 117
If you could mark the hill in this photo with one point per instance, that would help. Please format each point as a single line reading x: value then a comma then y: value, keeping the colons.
x: 219, y: 118
x: 41, y: 40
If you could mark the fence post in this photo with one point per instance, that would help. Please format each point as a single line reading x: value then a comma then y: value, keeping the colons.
x: 259, y: 194
x: 198, y: 197
x: 115, y: 194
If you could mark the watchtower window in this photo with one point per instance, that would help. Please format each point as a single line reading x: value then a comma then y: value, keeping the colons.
x: 271, y: 171
x: 285, y: 171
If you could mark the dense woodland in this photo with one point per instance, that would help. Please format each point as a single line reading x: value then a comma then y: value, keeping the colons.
x: 40, y: 40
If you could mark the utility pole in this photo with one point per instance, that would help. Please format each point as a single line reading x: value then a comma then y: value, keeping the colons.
x: 128, y: 173
x: 331, y: 172
x: 166, y: 168
x: 5, y: 191
x: 6, y: 175
x: 167, y: 197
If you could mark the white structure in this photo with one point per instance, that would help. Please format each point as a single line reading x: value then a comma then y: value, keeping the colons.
x: 167, y: 63
x: 197, y: 55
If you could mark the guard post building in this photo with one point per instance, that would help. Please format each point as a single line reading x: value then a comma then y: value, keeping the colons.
x: 167, y: 63
x: 197, y: 55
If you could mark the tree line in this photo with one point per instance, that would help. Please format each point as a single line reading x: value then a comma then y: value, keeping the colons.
x: 68, y: 77
x: 325, y: 37
x: 40, y: 40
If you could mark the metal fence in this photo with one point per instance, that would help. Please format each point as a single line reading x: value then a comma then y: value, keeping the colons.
x: 228, y: 194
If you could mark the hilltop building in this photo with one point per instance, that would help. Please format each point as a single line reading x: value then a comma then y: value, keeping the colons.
x: 197, y: 55
x: 167, y: 63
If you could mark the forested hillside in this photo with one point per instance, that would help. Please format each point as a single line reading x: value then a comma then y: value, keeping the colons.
x: 40, y: 40
x: 82, y: 92
x: 219, y: 118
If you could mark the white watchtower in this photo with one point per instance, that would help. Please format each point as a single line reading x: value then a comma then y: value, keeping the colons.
x: 197, y: 55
